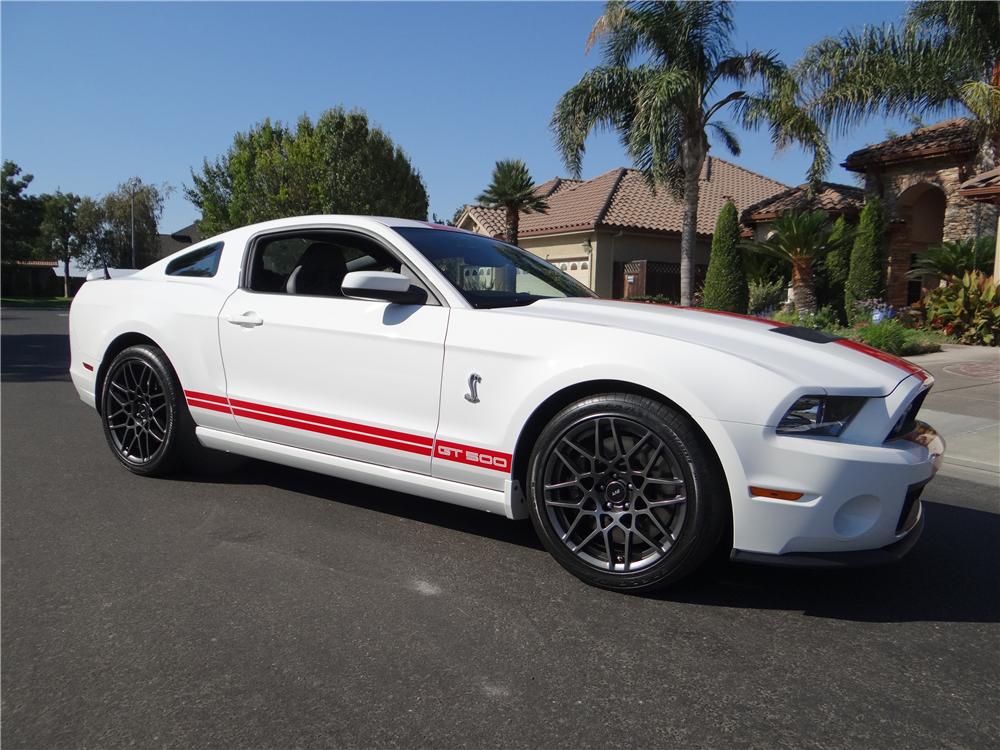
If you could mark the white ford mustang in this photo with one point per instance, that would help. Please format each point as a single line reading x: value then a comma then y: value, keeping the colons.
x: 425, y: 359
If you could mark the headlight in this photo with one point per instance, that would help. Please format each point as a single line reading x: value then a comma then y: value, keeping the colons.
x: 820, y: 415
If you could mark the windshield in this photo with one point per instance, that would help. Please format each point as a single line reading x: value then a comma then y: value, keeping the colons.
x: 490, y: 273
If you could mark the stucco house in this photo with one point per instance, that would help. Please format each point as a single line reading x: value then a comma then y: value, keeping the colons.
x: 919, y: 176
x: 616, y: 235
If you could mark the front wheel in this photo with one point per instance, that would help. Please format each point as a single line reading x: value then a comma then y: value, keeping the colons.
x: 145, y: 416
x: 625, y: 494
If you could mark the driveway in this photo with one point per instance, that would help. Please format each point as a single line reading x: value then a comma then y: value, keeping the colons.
x: 261, y: 606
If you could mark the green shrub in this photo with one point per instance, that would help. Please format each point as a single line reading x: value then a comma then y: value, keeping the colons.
x: 656, y: 299
x: 968, y: 309
x: 831, y: 272
x: 895, y: 338
x: 765, y: 295
x: 864, y: 278
x: 889, y: 336
x: 955, y: 259
x: 824, y: 319
x: 726, y: 280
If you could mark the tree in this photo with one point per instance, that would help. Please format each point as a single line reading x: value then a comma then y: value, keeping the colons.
x: 664, y: 108
x: 800, y: 238
x: 58, y: 230
x: 512, y: 189
x: 104, y: 226
x: 340, y: 164
x: 831, y: 273
x: 726, y: 281
x: 21, y: 215
x: 946, y: 55
x: 951, y: 260
x: 864, y: 278
x: 90, y: 234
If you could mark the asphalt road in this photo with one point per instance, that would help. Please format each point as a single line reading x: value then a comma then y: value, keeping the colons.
x: 267, y: 607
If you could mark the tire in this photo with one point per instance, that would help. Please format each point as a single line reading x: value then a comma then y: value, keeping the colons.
x: 625, y: 493
x: 144, y: 413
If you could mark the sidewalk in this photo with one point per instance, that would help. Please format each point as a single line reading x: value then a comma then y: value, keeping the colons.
x: 964, y: 406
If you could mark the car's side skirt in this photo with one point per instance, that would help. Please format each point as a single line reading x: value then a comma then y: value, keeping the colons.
x: 507, y: 503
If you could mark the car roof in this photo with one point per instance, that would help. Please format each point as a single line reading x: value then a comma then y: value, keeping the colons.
x: 294, y: 221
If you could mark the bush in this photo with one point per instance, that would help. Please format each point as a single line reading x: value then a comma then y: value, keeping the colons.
x: 726, y: 280
x: 969, y: 310
x: 824, y: 319
x: 890, y: 335
x: 893, y: 337
x: 765, y: 295
x: 864, y: 278
x: 655, y: 299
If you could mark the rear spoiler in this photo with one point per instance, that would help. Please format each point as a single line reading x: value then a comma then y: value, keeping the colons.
x: 110, y: 273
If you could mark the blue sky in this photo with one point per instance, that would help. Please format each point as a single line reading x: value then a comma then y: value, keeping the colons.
x: 94, y: 93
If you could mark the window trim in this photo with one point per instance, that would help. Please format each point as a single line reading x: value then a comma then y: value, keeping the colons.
x: 434, y: 297
x: 214, y: 247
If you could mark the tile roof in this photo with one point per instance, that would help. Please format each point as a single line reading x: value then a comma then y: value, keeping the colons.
x: 831, y: 197
x: 949, y: 136
x: 985, y: 186
x: 622, y: 199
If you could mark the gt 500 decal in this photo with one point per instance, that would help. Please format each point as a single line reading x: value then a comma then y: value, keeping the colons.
x: 467, y: 454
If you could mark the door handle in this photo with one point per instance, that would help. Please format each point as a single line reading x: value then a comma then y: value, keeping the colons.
x: 247, y: 320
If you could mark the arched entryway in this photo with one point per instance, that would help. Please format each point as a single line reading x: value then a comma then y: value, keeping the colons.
x: 916, y: 223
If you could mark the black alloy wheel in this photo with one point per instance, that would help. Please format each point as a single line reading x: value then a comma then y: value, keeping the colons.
x: 625, y: 493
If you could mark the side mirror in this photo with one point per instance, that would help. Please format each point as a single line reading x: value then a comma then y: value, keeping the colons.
x: 382, y: 285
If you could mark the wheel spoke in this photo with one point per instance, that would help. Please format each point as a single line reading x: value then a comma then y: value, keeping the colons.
x: 574, y: 524
x: 587, y: 539
x: 562, y: 485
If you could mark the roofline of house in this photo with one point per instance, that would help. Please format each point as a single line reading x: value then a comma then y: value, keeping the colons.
x: 916, y: 154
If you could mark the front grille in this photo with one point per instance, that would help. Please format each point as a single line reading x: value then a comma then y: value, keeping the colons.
x: 911, y: 508
x: 908, y: 422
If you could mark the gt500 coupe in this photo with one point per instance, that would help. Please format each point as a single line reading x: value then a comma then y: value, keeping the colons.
x: 420, y: 358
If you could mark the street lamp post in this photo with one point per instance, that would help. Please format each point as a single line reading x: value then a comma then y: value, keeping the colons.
x: 131, y: 186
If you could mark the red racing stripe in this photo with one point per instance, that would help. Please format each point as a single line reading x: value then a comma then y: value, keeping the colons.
x: 422, y: 450
x: 402, y: 441
x: 330, y: 422
x: 209, y: 405
x: 206, y: 397
x: 902, y: 364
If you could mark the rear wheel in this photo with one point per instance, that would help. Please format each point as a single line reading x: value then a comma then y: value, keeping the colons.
x: 625, y: 494
x: 145, y: 416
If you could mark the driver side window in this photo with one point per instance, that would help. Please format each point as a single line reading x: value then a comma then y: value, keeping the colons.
x: 316, y: 262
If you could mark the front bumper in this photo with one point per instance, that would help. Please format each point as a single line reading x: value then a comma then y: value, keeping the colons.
x: 861, y: 558
x: 859, y: 503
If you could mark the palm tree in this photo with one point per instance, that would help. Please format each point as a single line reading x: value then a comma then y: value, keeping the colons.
x: 664, y: 108
x: 800, y: 238
x: 944, y: 57
x: 949, y: 260
x: 511, y: 188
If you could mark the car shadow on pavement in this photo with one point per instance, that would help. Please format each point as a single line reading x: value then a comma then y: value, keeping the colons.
x: 33, y: 357
x: 952, y: 575
x: 236, y: 470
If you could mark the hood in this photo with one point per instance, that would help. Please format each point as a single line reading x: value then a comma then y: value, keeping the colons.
x: 804, y: 356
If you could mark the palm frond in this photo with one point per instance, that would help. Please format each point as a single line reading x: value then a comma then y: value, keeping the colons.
x: 727, y: 137
x: 796, y: 236
x: 604, y: 99
x: 881, y: 70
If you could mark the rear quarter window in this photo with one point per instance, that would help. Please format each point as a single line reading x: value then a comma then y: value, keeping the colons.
x: 202, y: 263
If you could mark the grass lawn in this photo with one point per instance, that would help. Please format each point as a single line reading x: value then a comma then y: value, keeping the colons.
x: 35, y: 301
